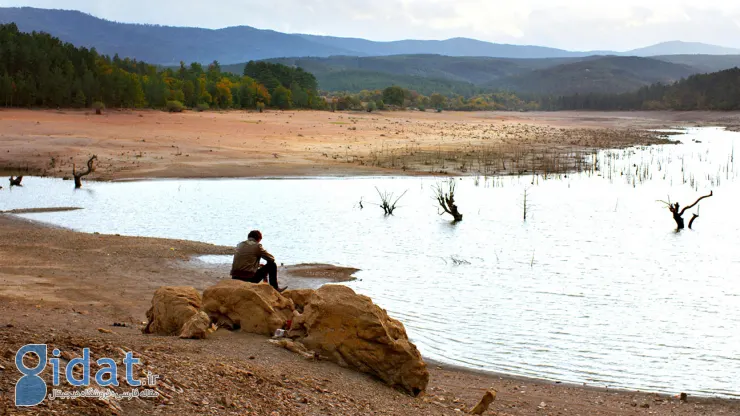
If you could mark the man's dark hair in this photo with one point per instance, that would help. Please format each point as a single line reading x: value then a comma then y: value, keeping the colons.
x: 255, y: 235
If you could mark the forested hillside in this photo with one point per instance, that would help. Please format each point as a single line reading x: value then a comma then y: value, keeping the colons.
x: 469, y: 69
x: 40, y: 70
x: 703, y: 63
x: 472, y: 75
x: 716, y: 91
x: 609, y: 74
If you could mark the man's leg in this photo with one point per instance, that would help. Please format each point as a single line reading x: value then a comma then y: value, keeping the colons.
x: 269, y: 270
x: 253, y: 279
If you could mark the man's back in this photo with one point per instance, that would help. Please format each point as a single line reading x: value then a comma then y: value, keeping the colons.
x: 248, y: 255
x: 246, y: 266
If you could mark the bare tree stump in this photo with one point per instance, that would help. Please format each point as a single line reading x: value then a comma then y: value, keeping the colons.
x: 446, y: 200
x: 78, y: 175
x: 486, y: 401
x: 678, y: 212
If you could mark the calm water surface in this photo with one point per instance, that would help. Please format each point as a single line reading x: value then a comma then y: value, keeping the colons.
x: 595, y: 287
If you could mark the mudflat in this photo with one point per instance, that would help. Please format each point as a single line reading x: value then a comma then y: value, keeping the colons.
x: 155, y: 144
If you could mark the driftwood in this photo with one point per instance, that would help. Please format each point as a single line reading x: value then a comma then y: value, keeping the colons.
x: 15, y: 181
x: 484, y: 403
x: 678, y: 212
x: 446, y: 199
x: 78, y: 175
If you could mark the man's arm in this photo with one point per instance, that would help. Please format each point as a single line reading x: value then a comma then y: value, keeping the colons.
x: 265, y: 255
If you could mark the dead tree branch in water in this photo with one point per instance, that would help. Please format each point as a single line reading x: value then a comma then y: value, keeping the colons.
x: 387, y: 202
x: 78, y: 175
x: 525, y: 205
x: 678, y: 212
x: 691, y: 221
x: 446, y: 199
x: 15, y: 181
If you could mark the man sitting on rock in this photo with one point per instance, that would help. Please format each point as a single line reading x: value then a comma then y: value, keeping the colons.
x: 246, y: 266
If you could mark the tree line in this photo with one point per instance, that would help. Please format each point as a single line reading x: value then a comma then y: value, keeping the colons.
x: 38, y: 70
x: 395, y: 97
x: 714, y: 91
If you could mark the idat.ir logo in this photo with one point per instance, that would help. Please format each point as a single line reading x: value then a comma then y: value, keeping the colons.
x: 30, y: 390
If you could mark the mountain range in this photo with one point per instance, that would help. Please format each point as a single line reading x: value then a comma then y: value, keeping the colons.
x: 470, y: 75
x: 166, y: 45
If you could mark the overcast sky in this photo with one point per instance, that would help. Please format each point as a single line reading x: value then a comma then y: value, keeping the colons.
x: 567, y: 24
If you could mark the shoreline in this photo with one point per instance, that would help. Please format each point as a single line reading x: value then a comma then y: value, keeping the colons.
x: 186, y: 263
x: 584, y: 386
x: 149, y: 144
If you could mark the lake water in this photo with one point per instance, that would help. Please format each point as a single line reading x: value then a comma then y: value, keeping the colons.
x: 595, y: 287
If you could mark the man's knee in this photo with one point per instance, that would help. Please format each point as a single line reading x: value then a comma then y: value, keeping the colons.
x: 271, y: 266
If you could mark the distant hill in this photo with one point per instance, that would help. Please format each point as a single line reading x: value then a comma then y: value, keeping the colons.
x: 161, y: 44
x: 166, y: 45
x: 703, y: 63
x: 353, y: 80
x: 610, y: 74
x: 449, y: 47
x: 603, y: 74
x: 682, y: 48
x: 473, y: 70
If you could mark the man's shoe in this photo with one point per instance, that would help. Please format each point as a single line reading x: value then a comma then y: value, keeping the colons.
x: 282, y: 289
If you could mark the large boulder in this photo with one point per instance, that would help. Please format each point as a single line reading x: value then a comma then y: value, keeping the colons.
x: 255, y: 308
x: 299, y: 297
x: 172, y: 307
x: 352, y: 331
x: 196, y: 327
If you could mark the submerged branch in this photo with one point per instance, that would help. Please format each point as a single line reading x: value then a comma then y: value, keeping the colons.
x: 78, y: 175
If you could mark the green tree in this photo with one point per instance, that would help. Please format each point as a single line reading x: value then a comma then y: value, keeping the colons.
x: 282, y: 98
x: 394, y: 95
x: 80, y: 100
x: 299, y: 95
x: 438, y: 101
x: 188, y: 91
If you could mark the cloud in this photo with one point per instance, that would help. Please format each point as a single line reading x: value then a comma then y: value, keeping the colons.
x: 569, y: 24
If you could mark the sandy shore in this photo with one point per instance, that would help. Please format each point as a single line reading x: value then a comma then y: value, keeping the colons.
x: 154, y: 144
x: 67, y: 289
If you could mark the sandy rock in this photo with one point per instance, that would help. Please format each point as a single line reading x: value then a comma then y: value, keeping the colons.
x: 172, y: 307
x: 299, y: 297
x: 196, y: 327
x: 352, y: 331
x: 486, y: 401
x: 254, y: 308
